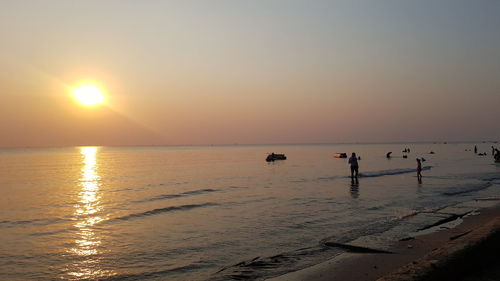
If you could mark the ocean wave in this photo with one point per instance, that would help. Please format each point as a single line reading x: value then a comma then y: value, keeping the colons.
x: 391, y: 172
x: 408, y: 214
x: 42, y: 221
x: 165, y: 210
x: 258, y: 268
x: 48, y: 233
x: 468, y: 189
x: 172, y: 196
x: 156, y: 274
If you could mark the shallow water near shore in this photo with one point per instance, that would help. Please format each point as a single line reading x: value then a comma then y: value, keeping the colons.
x: 215, y: 212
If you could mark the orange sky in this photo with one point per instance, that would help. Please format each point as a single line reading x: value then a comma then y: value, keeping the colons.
x: 184, y: 72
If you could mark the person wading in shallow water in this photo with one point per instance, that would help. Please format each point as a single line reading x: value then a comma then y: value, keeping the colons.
x: 419, y: 169
x: 353, y: 161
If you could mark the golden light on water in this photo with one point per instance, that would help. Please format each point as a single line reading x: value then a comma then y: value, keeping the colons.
x: 86, y: 216
x: 89, y: 95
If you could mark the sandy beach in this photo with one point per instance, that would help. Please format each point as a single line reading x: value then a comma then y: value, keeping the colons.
x: 465, y: 248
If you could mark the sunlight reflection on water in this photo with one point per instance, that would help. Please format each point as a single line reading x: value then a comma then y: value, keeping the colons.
x: 86, y: 216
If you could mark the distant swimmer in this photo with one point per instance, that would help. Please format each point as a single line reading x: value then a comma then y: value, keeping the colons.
x: 405, y: 156
x: 432, y: 152
x: 419, y: 169
x: 388, y: 155
x: 353, y: 161
x: 405, y: 150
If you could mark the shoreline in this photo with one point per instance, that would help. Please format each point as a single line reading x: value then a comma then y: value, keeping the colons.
x: 432, y: 254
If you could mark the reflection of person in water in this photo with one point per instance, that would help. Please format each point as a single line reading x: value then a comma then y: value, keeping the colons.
x: 353, y: 161
x: 354, y: 188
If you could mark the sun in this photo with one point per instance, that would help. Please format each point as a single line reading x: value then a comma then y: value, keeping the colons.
x: 89, y: 95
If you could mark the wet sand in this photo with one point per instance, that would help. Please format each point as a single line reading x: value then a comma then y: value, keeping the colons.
x: 445, y: 251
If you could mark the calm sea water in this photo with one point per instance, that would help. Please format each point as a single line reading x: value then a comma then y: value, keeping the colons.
x: 213, y: 213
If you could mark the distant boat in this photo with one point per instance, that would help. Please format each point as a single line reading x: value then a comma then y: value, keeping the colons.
x: 275, y: 156
x: 340, y: 155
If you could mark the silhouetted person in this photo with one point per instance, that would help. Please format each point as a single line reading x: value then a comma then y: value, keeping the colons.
x: 497, y: 155
x: 388, y: 155
x: 475, y: 149
x: 419, y: 170
x: 353, y: 161
x: 492, y: 150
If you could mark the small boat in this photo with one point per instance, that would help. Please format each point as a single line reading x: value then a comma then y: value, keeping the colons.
x: 275, y: 156
x: 340, y: 155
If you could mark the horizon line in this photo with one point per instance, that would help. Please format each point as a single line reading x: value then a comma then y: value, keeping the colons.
x: 250, y: 144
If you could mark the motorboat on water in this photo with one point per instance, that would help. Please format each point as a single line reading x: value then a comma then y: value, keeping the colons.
x: 275, y: 156
x: 340, y: 155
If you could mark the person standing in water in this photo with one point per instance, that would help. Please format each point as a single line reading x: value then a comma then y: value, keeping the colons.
x: 419, y: 169
x: 353, y: 161
x: 475, y: 149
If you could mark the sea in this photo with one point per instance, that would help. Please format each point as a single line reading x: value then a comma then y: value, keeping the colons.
x: 218, y: 212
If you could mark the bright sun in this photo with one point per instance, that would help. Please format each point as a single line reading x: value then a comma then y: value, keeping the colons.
x: 88, y: 95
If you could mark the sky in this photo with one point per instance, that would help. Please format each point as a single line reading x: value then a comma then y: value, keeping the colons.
x: 249, y: 72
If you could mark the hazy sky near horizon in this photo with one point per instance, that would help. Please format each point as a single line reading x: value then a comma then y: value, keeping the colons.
x: 222, y: 72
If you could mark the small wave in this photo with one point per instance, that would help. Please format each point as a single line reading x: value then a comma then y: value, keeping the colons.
x: 237, y: 187
x: 157, y: 274
x: 48, y: 233
x: 488, y: 199
x: 462, y: 190
x: 408, y: 214
x: 172, y: 196
x: 376, y: 208
x: 167, y: 184
x: 165, y: 210
x: 329, y: 178
x: 259, y: 268
x: 391, y: 172
x: 9, y: 224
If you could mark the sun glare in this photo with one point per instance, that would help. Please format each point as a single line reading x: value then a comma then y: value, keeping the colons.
x: 88, y: 95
